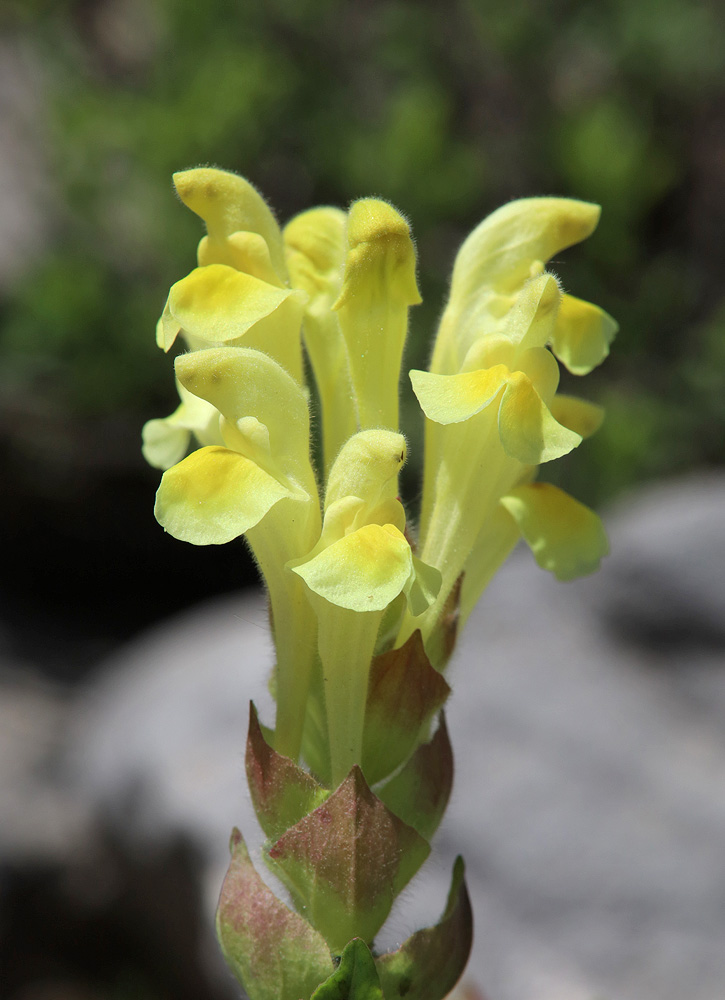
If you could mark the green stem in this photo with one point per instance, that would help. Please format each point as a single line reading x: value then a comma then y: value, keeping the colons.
x: 471, y: 461
x: 293, y: 620
x: 346, y: 643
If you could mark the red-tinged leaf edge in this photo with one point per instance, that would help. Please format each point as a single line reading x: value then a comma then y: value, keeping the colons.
x: 274, y: 953
x: 282, y: 793
x: 356, y: 977
x: 419, y: 793
x: 429, y: 964
x: 442, y: 641
x: 404, y: 694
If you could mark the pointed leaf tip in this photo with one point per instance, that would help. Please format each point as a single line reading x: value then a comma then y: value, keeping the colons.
x: 404, y: 693
x: 429, y: 964
x: 273, y: 952
x: 347, y: 861
x: 282, y: 793
x: 419, y: 793
x: 355, y: 978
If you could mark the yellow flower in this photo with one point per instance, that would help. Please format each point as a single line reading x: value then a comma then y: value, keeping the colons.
x: 239, y: 294
x: 360, y: 565
x: 217, y: 304
x: 242, y: 232
x: 358, y: 270
x: 345, y: 582
x: 315, y: 246
x: 350, y: 275
x: 364, y: 608
x: 260, y: 483
x: 166, y: 440
x: 495, y: 417
x: 510, y: 246
x: 378, y: 287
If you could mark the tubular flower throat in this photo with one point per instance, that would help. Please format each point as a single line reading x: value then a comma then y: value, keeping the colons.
x: 349, y: 579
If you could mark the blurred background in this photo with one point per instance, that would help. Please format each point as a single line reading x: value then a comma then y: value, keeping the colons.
x: 445, y: 111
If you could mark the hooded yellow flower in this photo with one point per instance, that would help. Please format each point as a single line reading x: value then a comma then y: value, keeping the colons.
x: 351, y: 579
x: 493, y: 415
x: 259, y: 483
x: 362, y: 563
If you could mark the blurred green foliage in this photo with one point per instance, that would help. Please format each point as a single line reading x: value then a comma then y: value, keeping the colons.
x: 447, y: 111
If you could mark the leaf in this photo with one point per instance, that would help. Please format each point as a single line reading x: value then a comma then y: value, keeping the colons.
x: 404, y: 693
x: 356, y: 977
x: 429, y: 964
x: 346, y: 862
x: 420, y: 792
x: 274, y: 953
x: 282, y: 793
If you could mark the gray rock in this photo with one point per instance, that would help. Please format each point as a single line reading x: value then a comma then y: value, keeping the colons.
x: 159, y: 746
x: 666, y: 583
x: 588, y: 804
x: 589, y: 801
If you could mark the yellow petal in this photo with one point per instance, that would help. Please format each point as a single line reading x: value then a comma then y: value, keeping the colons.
x: 381, y: 255
x: 166, y: 337
x: 500, y: 252
x: 566, y: 537
x: 578, y: 415
x: 315, y: 243
x: 495, y: 261
x: 528, y: 325
x: 388, y: 511
x: 351, y: 513
x: 527, y: 429
x: 215, y: 495
x: 449, y: 399
x: 539, y: 364
x: 340, y: 518
x: 531, y: 320
x: 489, y: 351
x: 363, y: 571
x: 582, y: 335
x: 367, y: 467
x: 246, y: 252
x: 219, y: 305
x: 164, y: 442
x: 315, y: 248
x: 378, y: 286
x: 244, y: 383
x: 228, y: 203
x: 167, y: 329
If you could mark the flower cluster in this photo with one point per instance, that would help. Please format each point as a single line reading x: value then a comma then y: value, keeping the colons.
x: 350, y: 580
